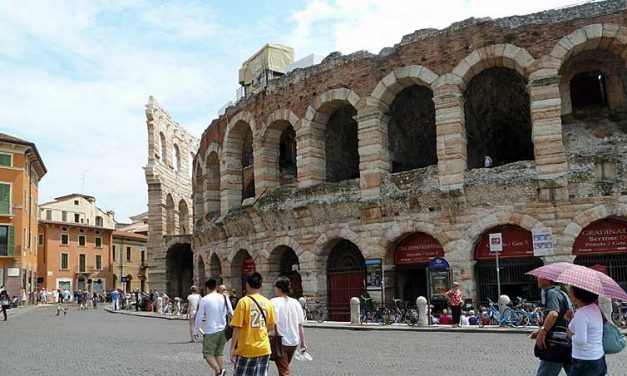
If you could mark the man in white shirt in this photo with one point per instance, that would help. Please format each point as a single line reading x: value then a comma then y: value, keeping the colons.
x: 193, y: 300
x: 213, y: 308
x: 289, y: 319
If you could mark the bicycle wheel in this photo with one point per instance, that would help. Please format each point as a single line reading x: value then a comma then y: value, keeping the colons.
x: 513, y: 318
x: 320, y: 314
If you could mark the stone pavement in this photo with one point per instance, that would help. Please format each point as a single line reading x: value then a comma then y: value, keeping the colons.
x: 98, y: 343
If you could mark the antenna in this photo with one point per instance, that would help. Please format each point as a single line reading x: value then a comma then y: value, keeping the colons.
x: 83, y: 178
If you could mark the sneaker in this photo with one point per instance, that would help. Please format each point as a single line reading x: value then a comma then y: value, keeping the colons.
x: 223, y: 373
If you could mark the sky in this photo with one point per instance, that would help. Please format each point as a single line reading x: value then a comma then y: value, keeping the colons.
x: 75, y: 75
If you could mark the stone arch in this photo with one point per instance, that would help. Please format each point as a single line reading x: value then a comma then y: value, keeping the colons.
x: 587, y: 217
x: 170, y: 222
x: 238, y: 173
x: 276, y: 159
x: 200, y: 273
x: 399, y: 79
x: 198, y: 191
x: 283, y: 261
x: 176, y: 158
x: 395, y: 234
x: 163, y: 148
x: 606, y: 36
x: 492, y: 220
x: 215, y: 266
x: 325, y: 242
x: 497, y: 55
x: 245, y: 245
x: 286, y: 241
x: 184, y: 223
x: 212, y: 184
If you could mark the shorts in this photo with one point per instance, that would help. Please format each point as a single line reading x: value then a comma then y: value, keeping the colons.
x: 252, y: 366
x: 213, y: 344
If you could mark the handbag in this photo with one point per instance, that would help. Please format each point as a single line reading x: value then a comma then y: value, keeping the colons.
x: 558, y: 348
x: 613, y: 339
x: 276, y: 340
x: 228, y: 329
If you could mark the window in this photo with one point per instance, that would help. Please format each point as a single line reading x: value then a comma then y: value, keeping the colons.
x: 98, y: 241
x: 7, y: 237
x: 65, y: 261
x: 128, y: 253
x: 6, y: 160
x: 143, y: 255
x: 41, y: 240
x: 65, y: 239
x: 81, y: 240
x: 81, y: 263
x: 114, y: 253
x: 5, y: 198
x: 98, y: 262
x: 99, y: 221
x: 75, y: 202
x: 48, y: 215
x: 64, y: 216
x: 77, y: 217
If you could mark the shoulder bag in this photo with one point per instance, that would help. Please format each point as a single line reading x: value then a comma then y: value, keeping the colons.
x: 228, y: 329
x: 613, y: 339
x: 276, y: 340
x: 559, y: 347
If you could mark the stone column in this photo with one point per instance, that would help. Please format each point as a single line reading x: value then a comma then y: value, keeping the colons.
x: 311, y: 153
x: 374, y: 157
x: 266, y: 156
x: 549, y: 154
x: 231, y: 185
x: 451, y: 136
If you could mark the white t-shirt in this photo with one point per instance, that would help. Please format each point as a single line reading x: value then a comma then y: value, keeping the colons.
x: 463, y: 320
x: 213, y: 309
x: 288, y: 315
x: 587, y: 328
x: 193, y: 300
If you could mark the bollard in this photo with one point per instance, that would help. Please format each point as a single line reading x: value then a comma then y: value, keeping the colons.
x: 159, y: 305
x: 421, y: 304
x: 504, y: 301
x: 605, y: 304
x: 302, y: 301
x: 355, y: 311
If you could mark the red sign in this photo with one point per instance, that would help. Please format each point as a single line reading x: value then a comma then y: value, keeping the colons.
x: 517, y: 243
x: 600, y: 237
x: 417, y: 249
x: 248, y: 266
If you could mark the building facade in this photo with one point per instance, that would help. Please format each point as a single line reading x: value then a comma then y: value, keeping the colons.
x: 21, y: 169
x: 129, y: 261
x: 75, y: 245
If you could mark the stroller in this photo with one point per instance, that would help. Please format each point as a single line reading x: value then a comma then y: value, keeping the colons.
x: 15, y: 302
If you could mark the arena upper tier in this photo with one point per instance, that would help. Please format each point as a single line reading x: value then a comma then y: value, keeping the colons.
x: 381, y: 157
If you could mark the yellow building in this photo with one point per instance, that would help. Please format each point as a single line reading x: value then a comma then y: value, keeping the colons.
x: 129, y: 261
x: 21, y: 169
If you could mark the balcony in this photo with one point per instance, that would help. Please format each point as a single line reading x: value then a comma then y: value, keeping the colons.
x: 85, y: 270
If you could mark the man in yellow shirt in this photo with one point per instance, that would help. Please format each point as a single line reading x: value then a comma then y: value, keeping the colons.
x: 253, y: 318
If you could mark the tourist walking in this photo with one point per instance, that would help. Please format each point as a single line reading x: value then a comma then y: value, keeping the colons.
x: 193, y: 300
x: 115, y: 300
x: 253, y: 317
x: 60, y: 303
x: 213, y: 310
x: 455, y: 301
x: 5, y: 301
x: 94, y: 300
x: 586, y: 331
x: 556, y: 308
x: 289, y: 316
x: 233, y: 298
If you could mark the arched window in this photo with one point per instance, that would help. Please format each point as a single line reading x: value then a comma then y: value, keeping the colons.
x: 163, y: 147
x: 176, y: 158
x: 342, y: 144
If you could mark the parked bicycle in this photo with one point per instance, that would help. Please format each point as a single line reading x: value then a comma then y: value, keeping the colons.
x: 510, y: 317
x: 619, y: 313
x: 314, y: 310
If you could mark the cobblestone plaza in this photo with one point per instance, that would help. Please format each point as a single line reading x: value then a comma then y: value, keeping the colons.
x: 100, y: 343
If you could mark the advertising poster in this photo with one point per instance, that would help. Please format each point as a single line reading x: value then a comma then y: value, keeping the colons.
x: 374, y: 274
x: 439, y: 282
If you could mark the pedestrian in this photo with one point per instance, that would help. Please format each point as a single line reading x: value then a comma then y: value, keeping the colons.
x: 66, y: 297
x: 136, y: 293
x: 455, y: 301
x: 193, y: 300
x: 487, y: 162
x: 445, y: 318
x: 289, y: 316
x: 115, y: 299
x: 233, y: 298
x: 213, y: 308
x: 24, y: 298
x: 5, y: 301
x: 94, y: 300
x: 556, y: 308
x: 253, y: 318
x: 586, y: 331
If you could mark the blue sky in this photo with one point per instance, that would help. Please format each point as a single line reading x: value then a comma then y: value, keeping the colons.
x: 75, y: 74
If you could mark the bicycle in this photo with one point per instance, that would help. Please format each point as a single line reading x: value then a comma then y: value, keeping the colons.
x: 619, y: 313
x: 314, y: 310
x: 510, y: 317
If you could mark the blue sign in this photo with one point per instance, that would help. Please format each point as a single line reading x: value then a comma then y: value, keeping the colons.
x: 439, y: 263
x: 124, y: 279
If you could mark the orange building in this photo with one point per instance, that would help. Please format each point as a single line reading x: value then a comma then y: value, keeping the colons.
x: 75, y: 245
x: 21, y: 169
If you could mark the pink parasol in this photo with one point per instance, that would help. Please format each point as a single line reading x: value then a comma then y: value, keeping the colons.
x: 582, y: 277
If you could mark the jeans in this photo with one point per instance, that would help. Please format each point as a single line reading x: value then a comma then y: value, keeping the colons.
x: 552, y: 368
x: 588, y: 367
x: 116, y: 304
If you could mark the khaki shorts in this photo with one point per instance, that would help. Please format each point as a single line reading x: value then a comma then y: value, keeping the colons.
x: 213, y: 344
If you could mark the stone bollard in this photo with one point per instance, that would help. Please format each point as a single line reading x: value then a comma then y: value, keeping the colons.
x: 159, y: 305
x: 421, y: 304
x: 302, y: 301
x: 504, y: 301
x: 355, y: 311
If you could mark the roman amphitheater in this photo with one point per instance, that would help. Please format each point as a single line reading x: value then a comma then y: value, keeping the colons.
x: 354, y: 173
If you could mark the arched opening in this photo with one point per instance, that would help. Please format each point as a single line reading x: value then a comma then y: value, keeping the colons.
x: 248, y: 166
x: 176, y: 158
x: 198, y: 195
x: 497, y: 118
x: 215, y: 267
x: 128, y: 287
x: 81, y: 282
x: 410, y: 256
x: 346, y: 274
x: 242, y: 265
x: 287, y: 156
x: 212, y: 186
x: 163, y: 148
x: 411, y: 131
x: 169, y: 215
x: 588, y: 89
x: 184, y: 226
x: 602, y: 246
x: 200, y: 275
x: 515, y: 261
x: 284, y: 263
x: 179, y: 264
x: 341, y: 143
x: 190, y: 165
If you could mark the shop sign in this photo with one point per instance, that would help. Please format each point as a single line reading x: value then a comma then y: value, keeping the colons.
x: 417, y: 249
x: 124, y: 279
x: 496, y: 242
x: 374, y: 274
x: 248, y: 266
x: 542, y: 242
x: 602, y: 237
x: 515, y: 242
x: 439, y: 283
x: 439, y: 263
x: 13, y: 272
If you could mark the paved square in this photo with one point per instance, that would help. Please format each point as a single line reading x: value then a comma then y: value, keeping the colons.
x: 100, y: 343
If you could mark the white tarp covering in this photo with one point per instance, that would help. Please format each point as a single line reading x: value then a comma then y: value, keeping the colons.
x: 272, y: 56
x: 305, y: 62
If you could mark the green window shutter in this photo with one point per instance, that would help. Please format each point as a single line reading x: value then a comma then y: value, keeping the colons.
x: 5, y: 199
x: 5, y: 160
x: 11, y: 241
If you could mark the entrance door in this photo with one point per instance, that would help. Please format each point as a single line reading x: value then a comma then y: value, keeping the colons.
x: 81, y: 283
x: 346, y: 274
x: 410, y: 282
x: 514, y: 281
